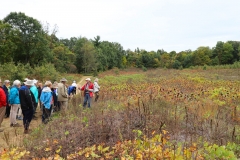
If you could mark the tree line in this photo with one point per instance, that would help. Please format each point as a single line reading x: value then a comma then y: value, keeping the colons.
x: 25, y: 40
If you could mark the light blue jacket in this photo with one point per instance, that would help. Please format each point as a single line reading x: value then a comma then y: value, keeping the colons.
x: 35, y: 92
x: 14, y: 95
x: 46, y: 97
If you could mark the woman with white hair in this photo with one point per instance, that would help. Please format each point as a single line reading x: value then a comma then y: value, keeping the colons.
x: 47, y: 100
x: 14, y: 101
x: 96, y: 89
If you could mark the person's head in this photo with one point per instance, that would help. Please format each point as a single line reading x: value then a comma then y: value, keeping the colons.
x: 96, y: 80
x: 7, y: 83
x: 35, y: 82
x: 29, y: 83
x: 48, y: 84
x: 88, y: 80
x: 40, y: 84
x: 55, y: 85
x: 63, y: 80
x: 17, y: 83
x: 0, y: 82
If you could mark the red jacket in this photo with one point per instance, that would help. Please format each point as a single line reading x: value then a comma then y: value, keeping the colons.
x: 90, y: 87
x: 3, y: 98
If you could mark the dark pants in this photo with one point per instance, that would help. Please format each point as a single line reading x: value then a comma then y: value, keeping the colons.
x: 58, y: 107
x: 97, y: 95
x: 35, y: 108
x: 87, y: 100
x: 7, y: 113
x: 27, y: 118
x: 46, y: 114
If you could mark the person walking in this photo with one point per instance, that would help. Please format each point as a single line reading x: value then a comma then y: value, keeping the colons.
x: 96, y: 89
x: 47, y: 100
x: 14, y: 102
x: 35, y: 94
x: 87, y: 92
x: 55, y: 98
x: 6, y: 88
x: 62, y: 93
x: 27, y: 101
x: 39, y: 93
x: 3, y: 104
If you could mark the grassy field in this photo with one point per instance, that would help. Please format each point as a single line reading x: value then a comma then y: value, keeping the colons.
x: 161, y: 114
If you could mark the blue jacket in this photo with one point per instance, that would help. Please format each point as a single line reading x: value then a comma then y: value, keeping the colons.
x: 14, y: 96
x: 70, y: 89
x: 46, y: 97
x: 35, y: 92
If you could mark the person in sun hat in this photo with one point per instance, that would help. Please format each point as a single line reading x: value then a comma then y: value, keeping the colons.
x: 6, y: 88
x: 14, y: 101
x: 62, y: 94
x: 35, y: 93
x: 27, y: 101
x: 3, y: 104
x: 87, y: 89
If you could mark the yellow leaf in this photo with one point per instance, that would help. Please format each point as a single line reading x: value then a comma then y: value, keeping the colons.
x: 57, y: 151
x: 87, y: 154
x: 153, y: 132
x: 55, y: 142
x: 48, y: 149
x: 165, y: 132
x: 56, y: 157
x: 139, y: 156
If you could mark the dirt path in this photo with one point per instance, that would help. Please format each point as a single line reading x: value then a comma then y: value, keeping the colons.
x: 14, y: 136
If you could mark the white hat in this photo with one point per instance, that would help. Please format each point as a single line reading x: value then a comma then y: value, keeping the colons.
x: 74, y: 85
x: 25, y: 79
x: 16, y: 82
x: 88, y: 79
x: 29, y: 83
x: 63, y: 80
x: 35, y: 81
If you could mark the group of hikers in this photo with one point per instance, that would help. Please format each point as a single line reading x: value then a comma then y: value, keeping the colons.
x: 24, y: 98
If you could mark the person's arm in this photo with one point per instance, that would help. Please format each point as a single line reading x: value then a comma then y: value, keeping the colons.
x: 97, y: 86
x: 63, y: 91
x: 82, y: 88
x: 91, y: 87
x: 2, y: 97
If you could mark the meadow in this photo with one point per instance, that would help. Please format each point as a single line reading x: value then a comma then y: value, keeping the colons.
x: 154, y: 114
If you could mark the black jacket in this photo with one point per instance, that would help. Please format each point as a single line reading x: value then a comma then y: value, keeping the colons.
x: 26, y: 98
x: 54, y: 97
x: 39, y: 91
x: 6, y: 93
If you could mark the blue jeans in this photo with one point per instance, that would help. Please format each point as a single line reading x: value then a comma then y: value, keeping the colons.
x: 87, y: 100
x: 27, y: 117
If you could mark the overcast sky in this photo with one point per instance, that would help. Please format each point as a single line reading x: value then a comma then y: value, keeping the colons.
x: 148, y: 24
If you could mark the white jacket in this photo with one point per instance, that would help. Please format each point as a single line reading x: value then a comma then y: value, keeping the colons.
x: 96, y: 87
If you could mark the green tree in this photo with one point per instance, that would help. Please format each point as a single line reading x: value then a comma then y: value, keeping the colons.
x: 8, y: 37
x: 202, y: 56
x: 32, y: 46
x: 227, y: 56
